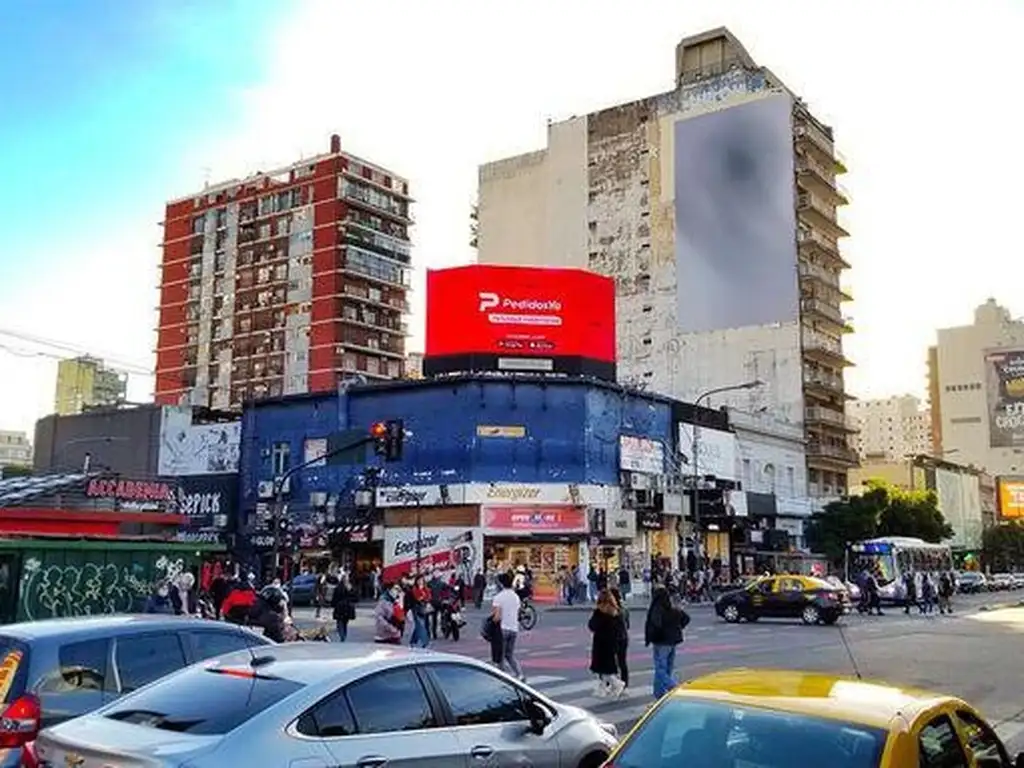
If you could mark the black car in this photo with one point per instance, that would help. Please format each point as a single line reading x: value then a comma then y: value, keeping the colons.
x: 784, y: 597
x: 58, y: 669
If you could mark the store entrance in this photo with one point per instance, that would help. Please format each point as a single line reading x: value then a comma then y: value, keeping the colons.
x: 544, y: 559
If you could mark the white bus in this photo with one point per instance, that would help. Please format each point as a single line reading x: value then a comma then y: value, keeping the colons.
x: 890, y: 558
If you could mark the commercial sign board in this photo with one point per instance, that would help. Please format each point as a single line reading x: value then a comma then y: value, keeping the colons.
x: 196, y: 449
x: 638, y: 454
x: 716, y: 452
x: 208, y: 501
x: 1011, y: 498
x: 529, y: 520
x: 1004, y: 383
x: 494, y: 430
x: 619, y: 523
x: 537, y: 493
x: 451, y: 551
x: 420, y: 495
x: 486, y: 317
x: 138, y: 495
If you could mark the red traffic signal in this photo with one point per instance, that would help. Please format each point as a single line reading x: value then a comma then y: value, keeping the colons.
x: 388, y: 437
x: 378, y: 430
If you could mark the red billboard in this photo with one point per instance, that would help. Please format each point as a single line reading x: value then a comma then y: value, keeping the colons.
x: 520, y: 319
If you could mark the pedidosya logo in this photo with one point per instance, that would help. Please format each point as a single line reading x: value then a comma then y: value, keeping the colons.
x: 495, y: 301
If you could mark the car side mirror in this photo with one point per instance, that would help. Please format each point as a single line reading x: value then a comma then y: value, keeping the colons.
x: 539, y: 717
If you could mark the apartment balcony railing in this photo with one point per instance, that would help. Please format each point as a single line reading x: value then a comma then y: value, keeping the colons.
x: 823, y: 309
x: 819, y: 341
x: 827, y: 276
x: 824, y: 379
x: 830, y: 451
x: 821, y: 142
x: 816, y: 176
x: 825, y: 416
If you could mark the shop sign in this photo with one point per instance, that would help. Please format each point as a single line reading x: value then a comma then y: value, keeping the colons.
x: 420, y: 496
x: 129, y: 490
x: 638, y: 454
x: 569, y: 494
x: 527, y: 520
x: 493, y: 430
x: 200, y: 537
x: 451, y: 551
x: 649, y: 520
x: 619, y: 523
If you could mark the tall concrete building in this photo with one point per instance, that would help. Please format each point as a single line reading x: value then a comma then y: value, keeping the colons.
x: 891, y: 429
x: 284, y: 282
x: 976, y: 387
x: 714, y: 206
x: 15, y: 450
x: 85, y: 382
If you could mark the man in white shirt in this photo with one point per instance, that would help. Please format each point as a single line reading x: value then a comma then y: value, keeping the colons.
x: 505, y: 611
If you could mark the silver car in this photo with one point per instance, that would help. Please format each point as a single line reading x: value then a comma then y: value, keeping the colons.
x: 332, y: 705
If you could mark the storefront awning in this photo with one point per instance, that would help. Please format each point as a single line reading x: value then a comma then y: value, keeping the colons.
x: 351, y: 532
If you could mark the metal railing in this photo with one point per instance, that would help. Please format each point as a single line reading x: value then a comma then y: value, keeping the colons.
x: 812, y: 340
x: 825, y: 415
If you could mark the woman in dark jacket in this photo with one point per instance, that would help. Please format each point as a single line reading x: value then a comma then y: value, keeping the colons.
x: 664, y: 630
x: 343, y: 601
x: 623, y: 648
x: 608, y: 626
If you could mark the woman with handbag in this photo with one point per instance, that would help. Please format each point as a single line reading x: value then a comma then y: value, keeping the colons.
x: 343, y: 601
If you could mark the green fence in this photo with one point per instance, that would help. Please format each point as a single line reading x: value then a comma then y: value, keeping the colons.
x: 85, y: 578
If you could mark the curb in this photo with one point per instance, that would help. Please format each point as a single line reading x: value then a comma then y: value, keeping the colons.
x: 587, y: 607
x: 1000, y: 606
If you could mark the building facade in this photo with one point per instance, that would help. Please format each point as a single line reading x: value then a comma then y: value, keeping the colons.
x: 15, y: 450
x: 284, y: 283
x: 976, y: 381
x: 658, y: 194
x: 85, y: 382
x: 890, y: 429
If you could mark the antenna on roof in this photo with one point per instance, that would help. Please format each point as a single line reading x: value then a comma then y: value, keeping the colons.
x: 849, y: 651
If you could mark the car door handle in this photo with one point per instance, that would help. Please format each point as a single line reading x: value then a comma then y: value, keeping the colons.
x: 373, y: 761
x: 482, y: 753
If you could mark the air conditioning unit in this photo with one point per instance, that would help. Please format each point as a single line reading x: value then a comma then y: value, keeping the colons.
x: 318, y: 499
x: 265, y: 489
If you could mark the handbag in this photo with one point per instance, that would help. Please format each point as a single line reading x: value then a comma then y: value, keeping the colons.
x: 488, y: 628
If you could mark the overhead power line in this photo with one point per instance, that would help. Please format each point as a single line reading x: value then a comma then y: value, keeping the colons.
x: 60, y: 350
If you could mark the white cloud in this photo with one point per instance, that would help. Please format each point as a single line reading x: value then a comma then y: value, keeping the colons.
x: 922, y: 98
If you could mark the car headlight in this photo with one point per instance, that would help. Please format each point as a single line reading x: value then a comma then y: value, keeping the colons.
x: 610, y: 729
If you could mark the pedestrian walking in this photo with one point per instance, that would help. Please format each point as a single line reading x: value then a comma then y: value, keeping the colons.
x: 320, y: 593
x: 663, y: 631
x: 622, y: 650
x: 438, y: 590
x: 505, y: 611
x: 910, y: 592
x: 418, y: 603
x: 606, y: 625
x: 946, y: 593
x: 479, y: 587
x: 389, y: 616
x: 927, y: 593
x: 343, y: 601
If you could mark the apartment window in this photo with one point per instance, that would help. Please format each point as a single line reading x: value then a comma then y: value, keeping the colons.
x: 365, y: 263
x: 373, y: 365
x: 394, y: 369
x: 280, y: 458
x: 349, y: 362
x: 198, y: 225
x: 375, y: 294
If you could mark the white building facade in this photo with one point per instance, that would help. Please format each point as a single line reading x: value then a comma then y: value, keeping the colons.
x: 890, y: 429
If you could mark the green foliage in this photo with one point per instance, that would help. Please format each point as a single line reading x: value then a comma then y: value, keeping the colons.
x: 883, y: 510
x: 1003, y: 546
x: 14, y: 471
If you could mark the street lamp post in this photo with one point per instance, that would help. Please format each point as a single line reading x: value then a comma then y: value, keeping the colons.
x: 695, y: 452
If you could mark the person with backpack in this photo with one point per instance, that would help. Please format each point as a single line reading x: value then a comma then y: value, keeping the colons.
x: 663, y: 632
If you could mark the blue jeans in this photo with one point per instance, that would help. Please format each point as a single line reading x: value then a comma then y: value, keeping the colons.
x: 664, y: 664
x: 342, y: 627
x: 419, y: 638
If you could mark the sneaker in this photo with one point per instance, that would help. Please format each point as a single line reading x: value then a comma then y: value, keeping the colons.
x: 615, y: 688
x: 600, y: 690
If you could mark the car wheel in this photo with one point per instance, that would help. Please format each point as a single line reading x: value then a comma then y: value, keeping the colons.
x: 595, y: 760
x: 731, y: 613
x: 811, y: 614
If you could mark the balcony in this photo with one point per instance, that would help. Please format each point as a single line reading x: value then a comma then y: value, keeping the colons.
x: 825, y: 348
x: 814, y: 245
x: 808, y: 136
x: 812, y: 272
x: 823, y: 310
x: 366, y: 347
x: 816, y: 414
x: 838, y: 453
x: 814, y: 177
x: 824, y: 383
x: 820, y: 214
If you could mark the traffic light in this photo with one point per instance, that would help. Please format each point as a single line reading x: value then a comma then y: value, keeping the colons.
x: 388, y: 437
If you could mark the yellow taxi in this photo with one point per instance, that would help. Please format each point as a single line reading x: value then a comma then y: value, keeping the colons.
x: 813, y: 600
x: 747, y: 718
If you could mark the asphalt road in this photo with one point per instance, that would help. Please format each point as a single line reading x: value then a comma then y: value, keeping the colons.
x: 973, y: 654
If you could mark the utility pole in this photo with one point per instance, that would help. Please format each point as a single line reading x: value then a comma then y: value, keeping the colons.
x: 695, y: 455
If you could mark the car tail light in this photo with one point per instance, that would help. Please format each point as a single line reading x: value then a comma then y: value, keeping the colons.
x: 19, y: 722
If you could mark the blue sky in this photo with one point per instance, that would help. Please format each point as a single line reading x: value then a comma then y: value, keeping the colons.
x: 99, y: 100
x: 109, y: 109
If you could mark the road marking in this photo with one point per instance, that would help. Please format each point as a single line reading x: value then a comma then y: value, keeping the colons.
x: 1008, y: 732
x: 557, y: 692
x: 544, y: 680
x: 563, y: 646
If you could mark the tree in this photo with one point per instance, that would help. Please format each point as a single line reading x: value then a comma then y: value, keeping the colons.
x: 883, y: 510
x: 1003, y: 546
x: 14, y: 470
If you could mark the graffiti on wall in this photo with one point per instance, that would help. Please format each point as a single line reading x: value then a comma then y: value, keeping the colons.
x: 88, y: 589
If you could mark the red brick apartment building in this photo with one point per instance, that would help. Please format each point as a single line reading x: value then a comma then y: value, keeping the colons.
x: 284, y: 282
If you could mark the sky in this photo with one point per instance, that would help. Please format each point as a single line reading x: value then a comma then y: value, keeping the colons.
x: 110, y: 108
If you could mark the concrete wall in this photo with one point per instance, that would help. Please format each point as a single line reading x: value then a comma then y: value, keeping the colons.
x: 125, y: 440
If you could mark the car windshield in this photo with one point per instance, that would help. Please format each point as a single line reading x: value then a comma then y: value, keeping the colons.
x: 687, y: 733
x: 204, y: 701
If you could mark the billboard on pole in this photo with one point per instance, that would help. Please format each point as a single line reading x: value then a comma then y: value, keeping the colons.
x: 1004, y: 384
